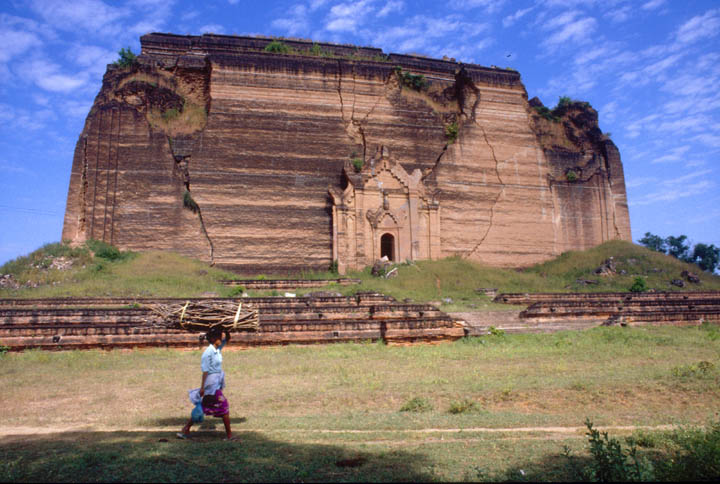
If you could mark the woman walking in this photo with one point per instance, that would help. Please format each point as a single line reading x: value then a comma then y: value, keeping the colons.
x: 213, y: 381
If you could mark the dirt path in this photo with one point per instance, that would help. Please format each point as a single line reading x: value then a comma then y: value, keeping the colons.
x: 29, y: 431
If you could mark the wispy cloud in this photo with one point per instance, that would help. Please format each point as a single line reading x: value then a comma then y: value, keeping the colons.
x: 297, y: 22
x: 511, y: 19
x: 653, y: 4
x: 48, y: 76
x: 569, y: 27
x: 347, y: 17
x: 390, y: 7
x: 699, y: 27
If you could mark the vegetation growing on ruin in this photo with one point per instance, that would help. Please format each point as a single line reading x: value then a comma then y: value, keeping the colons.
x: 277, y: 47
x: 451, y: 132
x: 407, y: 79
x: 189, y: 202
x: 301, y: 410
x: 451, y: 283
x: 571, y: 176
x: 126, y: 58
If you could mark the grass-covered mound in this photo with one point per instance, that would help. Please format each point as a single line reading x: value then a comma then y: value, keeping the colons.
x: 98, y: 269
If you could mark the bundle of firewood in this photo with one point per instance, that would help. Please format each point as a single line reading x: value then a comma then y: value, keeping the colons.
x: 203, y: 316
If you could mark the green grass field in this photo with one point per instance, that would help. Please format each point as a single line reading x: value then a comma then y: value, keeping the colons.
x: 170, y: 275
x: 333, y: 412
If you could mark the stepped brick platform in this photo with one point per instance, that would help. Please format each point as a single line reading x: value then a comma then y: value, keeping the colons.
x: 287, y: 283
x: 622, y: 308
x: 104, y: 323
x: 527, y: 299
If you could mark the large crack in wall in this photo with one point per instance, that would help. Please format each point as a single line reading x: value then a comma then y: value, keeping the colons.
x: 181, y: 149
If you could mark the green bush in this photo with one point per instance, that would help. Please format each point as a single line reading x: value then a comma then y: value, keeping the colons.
x: 546, y: 113
x: 639, y: 285
x: 236, y: 291
x: 410, y: 80
x: 334, y: 267
x: 4, y: 349
x: 493, y: 331
x: 417, y: 404
x: 103, y: 250
x: 612, y: 463
x: 277, y: 47
x: 451, y: 132
x: 127, y: 58
x: 463, y: 406
x: 357, y: 164
x: 571, y: 176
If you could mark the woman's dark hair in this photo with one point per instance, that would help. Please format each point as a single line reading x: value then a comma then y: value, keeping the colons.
x: 214, y: 334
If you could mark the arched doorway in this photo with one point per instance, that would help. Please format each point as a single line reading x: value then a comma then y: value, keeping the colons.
x: 387, y: 246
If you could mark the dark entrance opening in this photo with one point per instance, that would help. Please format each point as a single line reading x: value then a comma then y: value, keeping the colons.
x: 387, y: 246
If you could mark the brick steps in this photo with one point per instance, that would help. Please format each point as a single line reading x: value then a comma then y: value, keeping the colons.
x: 60, y: 324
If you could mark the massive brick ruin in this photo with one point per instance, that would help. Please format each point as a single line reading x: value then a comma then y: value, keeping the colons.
x: 213, y: 147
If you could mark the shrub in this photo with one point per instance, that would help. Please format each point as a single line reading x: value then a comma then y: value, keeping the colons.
x: 236, y: 291
x: 544, y: 112
x: 103, y: 250
x: 127, y: 58
x: 463, y: 406
x: 639, y: 285
x: 612, y: 463
x: 333, y: 267
x: 410, y: 80
x: 451, y: 132
x: 189, y: 202
x: 357, y: 164
x: 4, y: 349
x: 571, y: 176
x: 493, y: 331
x: 277, y: 47
x: 563, y: 102
x: 696, y: 456
x: 417, y: 404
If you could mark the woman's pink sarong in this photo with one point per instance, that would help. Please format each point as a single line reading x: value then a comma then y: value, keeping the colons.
x: 217, y: 406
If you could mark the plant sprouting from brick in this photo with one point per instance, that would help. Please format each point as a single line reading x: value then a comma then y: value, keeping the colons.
x: 410, y: 80
x: 451, y: 132
x: 639, y: 285
x: 170, y: 114
x: 571, y: 176
x: 277, y: 47
x: 357, y: 164
x: 189, y: 203
x: 127, y: 58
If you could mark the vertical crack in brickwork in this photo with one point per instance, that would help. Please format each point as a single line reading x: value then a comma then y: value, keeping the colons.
x: 82, y: 219
x: 182, y: 163
x: 499, y: 195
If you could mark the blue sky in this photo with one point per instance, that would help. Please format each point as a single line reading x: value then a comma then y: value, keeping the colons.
x: 650, y: 67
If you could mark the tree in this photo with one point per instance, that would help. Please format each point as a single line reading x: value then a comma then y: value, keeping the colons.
x: 654, y: 242
x: 678, y: 248
x: 127, y: 58
x: 706, y: 256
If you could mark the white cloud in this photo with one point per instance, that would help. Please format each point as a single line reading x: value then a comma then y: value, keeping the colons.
x: 91, y: 15
x: 511, y: 19
x: 569, y: 28
x: 699, y: 27
x: 672, y: 191
x: 47, y: 75
x: 621, y: 14
x: 674, y: 155
x: 390, y: 7
x: 489, y: 6
x: 296, y: 23
x: 653, y: 4
x: 212, y: 29
x: 347, y: 17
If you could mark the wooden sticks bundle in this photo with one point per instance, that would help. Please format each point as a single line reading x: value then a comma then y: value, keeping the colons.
x: 203, y: 316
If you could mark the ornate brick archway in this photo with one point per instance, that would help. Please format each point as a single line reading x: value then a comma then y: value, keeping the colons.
x: 382, y: 198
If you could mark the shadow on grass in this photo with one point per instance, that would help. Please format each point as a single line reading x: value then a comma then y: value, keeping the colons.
x: 208, y: 423
x: 159, y: 456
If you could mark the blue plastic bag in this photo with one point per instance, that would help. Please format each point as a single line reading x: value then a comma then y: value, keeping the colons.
x: 197, y: 414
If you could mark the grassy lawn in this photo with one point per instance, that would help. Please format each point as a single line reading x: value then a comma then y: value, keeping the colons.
x: 332, y: 412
